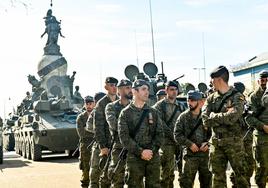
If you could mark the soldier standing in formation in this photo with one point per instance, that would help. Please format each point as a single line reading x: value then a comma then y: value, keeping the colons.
x: 84, y: 139
x: 190, y: 133
x: 222, y: 111
x: 140, y: 132
x: 112, y: 112
x: 102, y: 134
x: 170, y: 110
x: 259, y: 120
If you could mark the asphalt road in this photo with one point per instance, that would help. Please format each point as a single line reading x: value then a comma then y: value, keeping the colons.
x: 54, y: 171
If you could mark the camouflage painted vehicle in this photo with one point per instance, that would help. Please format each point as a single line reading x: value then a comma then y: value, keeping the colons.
x: 1, y: 142
x: 8, y: 132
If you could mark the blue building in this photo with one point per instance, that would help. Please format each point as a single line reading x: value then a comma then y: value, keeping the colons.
x: 247, y: 72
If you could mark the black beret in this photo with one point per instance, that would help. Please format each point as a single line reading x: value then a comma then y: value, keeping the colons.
x: 161, y: 92
x: 172, y: 83
x: 111, y: 80
x: 124, y: 83
x: 194, y: 95
x: 98, y: 96
x: 217, y: 72
x: 239, y: 86
x: 139, y: 83
x: 263, y: 74
x: 88, y: 99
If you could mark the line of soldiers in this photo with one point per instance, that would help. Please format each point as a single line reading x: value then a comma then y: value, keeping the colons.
x: 141, y: 145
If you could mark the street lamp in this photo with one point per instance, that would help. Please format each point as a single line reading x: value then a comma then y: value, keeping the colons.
x: 199, y: 69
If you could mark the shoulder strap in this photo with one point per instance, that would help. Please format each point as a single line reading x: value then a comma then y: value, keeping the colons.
x: 227, y: 97
x: 173, y: 114
x: 137, y: 127
x: 195, y: 127
x: 164, y: 109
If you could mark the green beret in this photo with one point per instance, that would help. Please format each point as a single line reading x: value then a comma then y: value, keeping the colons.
x: 263, y: 74
x: 239, y: 86
x: 111, y: 80
x: 217, y: 72
x: 88, y: 99
x: 172, y: 83
x: 124, y: 83
x: 194, y: 95
x: 139, y: 83
x: 98, y: 96
x: 161, y: 92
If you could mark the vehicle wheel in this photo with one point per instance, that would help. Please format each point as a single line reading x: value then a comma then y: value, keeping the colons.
x: 36, y: 152
x: 16, y: 145
x: 1, y: 154
x: 28, y: 149
x: 9, y: 142
x: 23, y: 148
x: 20, y: 146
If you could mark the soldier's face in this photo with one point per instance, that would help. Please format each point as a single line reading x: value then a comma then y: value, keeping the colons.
x: 111, y: 88
x: 215, y: 83
x: 262, y: 82
x: 89, y: 106
x: 142, y: 93
x: 192, y: 104
x: 126, y: 91
x: 172, y: 92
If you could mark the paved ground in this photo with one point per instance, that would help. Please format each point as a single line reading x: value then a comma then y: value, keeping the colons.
x: 54, y: 171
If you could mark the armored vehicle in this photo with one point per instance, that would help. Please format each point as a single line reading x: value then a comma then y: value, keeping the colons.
x: 8, y: 132
x: 47, y: 117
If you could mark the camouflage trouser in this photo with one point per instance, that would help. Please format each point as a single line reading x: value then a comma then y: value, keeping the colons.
x: 167, y: 156
x: 84, y: 160
x: 137, y: 169
x: 191, y: 166
x: 249, y: 163
x: 222, y: 151
x: 261, y: 156
x: 117, y: 179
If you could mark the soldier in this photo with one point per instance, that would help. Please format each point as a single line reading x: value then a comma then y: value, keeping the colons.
x: 190, y: 133
x: 258, y: 119
x: 170, y: 110
x: 140, y: 132
x: 222, y: 111
x: 161, y: 94
x: 84, y: 139
x: 112, y: 112
x: 247, y: 141
x: 102, y: 134
x: 77, y: 98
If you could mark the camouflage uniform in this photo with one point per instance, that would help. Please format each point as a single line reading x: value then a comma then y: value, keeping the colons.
x: 227, y: 143
x: 112, y: 112
x: 168, y: 149
x: 258, y: 104
x: 193, y: 161
x: 149, y: 136
x: 103, y: 140
x: 84, y: 139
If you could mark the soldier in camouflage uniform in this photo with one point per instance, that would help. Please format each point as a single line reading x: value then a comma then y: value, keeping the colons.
x: 84, y: 139
x: 102, y: 135
x: 112, y: 112
x: 222, y: 111
x: 259, y: 120
x: 190, y: 133
x: 170, y: 110
x: 142, y: 140
x: 247, y: 141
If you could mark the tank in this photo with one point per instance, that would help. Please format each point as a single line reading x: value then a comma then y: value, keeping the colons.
x: 8, y: 132
x: 47, y: 115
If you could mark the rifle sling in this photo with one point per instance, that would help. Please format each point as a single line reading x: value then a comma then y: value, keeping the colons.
x: 137, y: 127
x: 195, y: 127
x: 173, y: 115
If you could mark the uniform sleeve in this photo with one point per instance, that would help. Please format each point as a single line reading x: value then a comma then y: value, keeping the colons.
x: 251, y: 119
x: 125, y: 139
x: 206, y: 113
x: 159, y: 135
x: 230, y: 117
x: 179, y: 132
x: 80, y: 126
x: 99, y: 126
x: 111, y: 119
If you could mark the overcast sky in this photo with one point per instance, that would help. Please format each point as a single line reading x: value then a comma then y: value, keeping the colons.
x: 104, y: 36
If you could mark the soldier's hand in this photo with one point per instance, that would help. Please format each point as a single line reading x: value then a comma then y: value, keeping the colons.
x: 204, y: 147
x: 265, y: 128
x: 147, y: 154
x: 104, y: 151
x: 194, y: 148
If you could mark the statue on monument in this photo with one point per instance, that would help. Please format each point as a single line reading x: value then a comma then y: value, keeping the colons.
x: 53, y: 30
